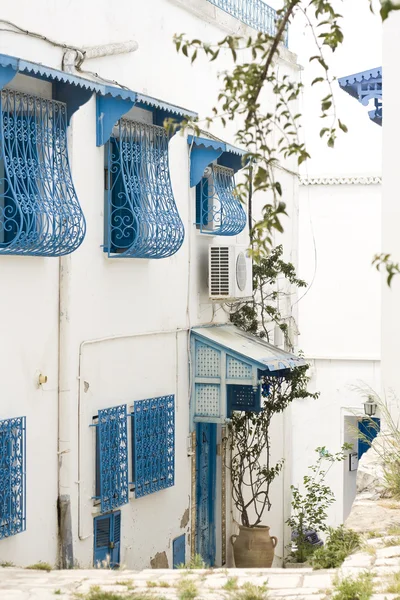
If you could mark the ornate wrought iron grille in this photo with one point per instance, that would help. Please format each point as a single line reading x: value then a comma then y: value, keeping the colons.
x: 219, y: 210
x: 243, y: 398
x: 154, y: 444
x: 254, y: 13
x: 113, y: 457
x: 40, y: 214
x: 12, y: 476
x: 143, y: 220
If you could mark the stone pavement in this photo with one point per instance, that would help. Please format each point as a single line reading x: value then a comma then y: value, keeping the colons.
x: 380, y: 557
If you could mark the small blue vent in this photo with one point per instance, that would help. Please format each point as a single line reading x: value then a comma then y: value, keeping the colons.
x: 218, y: 208
x: 12, y: 476
x: 39, y: 212
x: 142, y: 217
x: 107, y: 540
x: 112, y: 458
x: 153, y: 443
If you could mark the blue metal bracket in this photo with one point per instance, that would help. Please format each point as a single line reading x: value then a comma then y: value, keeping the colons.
x: 109, y: 109
x: 74, y: 97
x: 366, y: 86
x: 7, y: 74
x: 204, y: 151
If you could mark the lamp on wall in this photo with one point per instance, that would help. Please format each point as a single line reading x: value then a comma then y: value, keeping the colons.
x: 370, y: 407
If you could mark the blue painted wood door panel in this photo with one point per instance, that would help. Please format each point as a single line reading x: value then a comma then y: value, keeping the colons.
x: 369, y: 431
x: 206, y: 459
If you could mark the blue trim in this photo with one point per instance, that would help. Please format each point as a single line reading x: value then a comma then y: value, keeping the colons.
x: 369, y: 428
x: 77, y: 90
x: 204, y: 151
x: 109, y: 110
x: 366, y: 86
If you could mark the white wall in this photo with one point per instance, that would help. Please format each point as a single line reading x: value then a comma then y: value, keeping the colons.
x: 339, y: 233
x: 101, y: 297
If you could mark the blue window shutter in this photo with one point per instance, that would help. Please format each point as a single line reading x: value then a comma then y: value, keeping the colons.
x: 154, y: 444
x: 97, y: 475
x: 178, y: 551
x: 102, y: 540
x: 202, y: 202
x: 107, y: 540
x: 12, y: 476
x: 116, y: 540
x: 113, y: 457
x: 133, y: 448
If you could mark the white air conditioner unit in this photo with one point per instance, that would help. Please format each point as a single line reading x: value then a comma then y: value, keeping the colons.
x: 230, y: 272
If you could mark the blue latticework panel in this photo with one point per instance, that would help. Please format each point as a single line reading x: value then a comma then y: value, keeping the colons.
x: 12, y: 476
x: 254, y: 13
x: 243, y: 398
x: 154, y: 444
x: 208, y: 361
x: 39, y: 212
x: 113, y: 457
x: 142, y: 217
x: 207, y: 400
x: 237, y: 369
x: 219, y: 210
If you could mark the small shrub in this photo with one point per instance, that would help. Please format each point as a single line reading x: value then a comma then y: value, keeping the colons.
x: 151, y: 584
x: 126, y: 582
x: 395, y: 541
x: 374, y: 535
x: 394, y: 530
x: 360, y: 588
x: 393, y: 586
x: 95, y: 593
x: 57, y: 592
x: 249, y: 591
x: 231, y: 584
x: 41, y: 566
x: 339, y: 544
x: 6, y: 563
x: 163, y: 584
x: 196, y: 562
x: 187, y: 589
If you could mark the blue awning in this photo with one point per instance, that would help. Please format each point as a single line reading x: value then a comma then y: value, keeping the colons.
x: 76, y: 91
x: 204, y: 151
x: 250, y: 348
x: 366, y: 86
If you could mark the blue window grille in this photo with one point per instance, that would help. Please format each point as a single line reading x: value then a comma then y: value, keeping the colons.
x: 112, y: 458
x: 243, y: 398
x: 255, y: 13
x: 142, y: 217
x: 153, y: 444
x: 12, y: 476
x: 107, y: 540
x: 40, y: 214
x: 218, y: 207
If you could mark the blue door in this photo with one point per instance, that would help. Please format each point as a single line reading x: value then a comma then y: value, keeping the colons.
x: 206, y: 462
x: 368, y: 429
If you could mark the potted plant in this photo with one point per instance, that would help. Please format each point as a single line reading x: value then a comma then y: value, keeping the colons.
x: 310, y: 505
x: 251, y: 471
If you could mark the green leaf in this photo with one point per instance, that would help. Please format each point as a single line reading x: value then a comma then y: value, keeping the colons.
x: 317, y: 80
x: 342, y: 126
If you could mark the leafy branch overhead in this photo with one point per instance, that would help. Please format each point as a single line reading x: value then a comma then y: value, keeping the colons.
x: 271, y: 134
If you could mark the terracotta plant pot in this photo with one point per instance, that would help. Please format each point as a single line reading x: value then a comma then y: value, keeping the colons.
x: 253, y: 547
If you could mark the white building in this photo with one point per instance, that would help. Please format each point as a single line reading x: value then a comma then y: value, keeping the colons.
x: 340, y: 204
x: 99, y: 299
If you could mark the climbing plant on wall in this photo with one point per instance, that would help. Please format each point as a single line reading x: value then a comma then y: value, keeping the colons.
x: 271, y: 134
